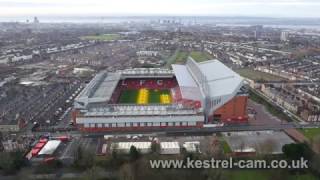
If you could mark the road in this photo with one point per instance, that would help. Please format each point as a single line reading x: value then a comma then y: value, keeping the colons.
x: 301, y: 82
x: 204, y: 131
x: 290, y: 114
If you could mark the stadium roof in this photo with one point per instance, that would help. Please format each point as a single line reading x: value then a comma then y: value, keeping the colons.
x: 215, y: 81
x: 146, y: 72
x: 188, y: 86
x: 218, y: 77
x: 221, y: 79
x: 99, y: 89
x: 106, y: 87
x: 183, y: 76
x: 138, y: 110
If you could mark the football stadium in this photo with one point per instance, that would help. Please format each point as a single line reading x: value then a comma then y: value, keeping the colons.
x: 193, y: 95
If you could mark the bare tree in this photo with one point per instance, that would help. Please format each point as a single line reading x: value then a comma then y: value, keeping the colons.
x: 242, y: 146
x: 93, y: 173
x: 316, y: 143
x: 126, y: 172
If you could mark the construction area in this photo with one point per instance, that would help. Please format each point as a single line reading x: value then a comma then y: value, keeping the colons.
x: 257, y: 142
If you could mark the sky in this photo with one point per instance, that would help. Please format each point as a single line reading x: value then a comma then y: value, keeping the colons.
x: 256, y: 8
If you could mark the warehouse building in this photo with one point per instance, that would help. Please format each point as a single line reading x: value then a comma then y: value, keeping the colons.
x: 169, y: 148
x: 124, y: 147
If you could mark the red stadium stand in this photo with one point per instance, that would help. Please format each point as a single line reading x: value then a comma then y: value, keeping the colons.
x: 164, y: 83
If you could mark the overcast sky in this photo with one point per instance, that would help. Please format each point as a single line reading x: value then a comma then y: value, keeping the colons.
x: 266, y: 8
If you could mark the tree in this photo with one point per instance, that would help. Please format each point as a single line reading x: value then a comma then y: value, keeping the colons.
x: 316, y: 143
x: 315, y: 164
x: 216, y: 148
x: 279, y: 174
x: 296, y: 151
x: 242, y: 146
x: 134, y: 153
x: 83, y: 159
x: 11, y: 162
x: 126, y: 172
x: 114, y: 154
x: 155, y: 147
x: 215, y: 174
x: 94, y: 173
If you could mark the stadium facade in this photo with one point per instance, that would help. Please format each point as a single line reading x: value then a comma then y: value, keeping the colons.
x: 193, y: 95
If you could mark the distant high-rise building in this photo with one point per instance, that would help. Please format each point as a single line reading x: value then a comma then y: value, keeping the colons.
x: 257, y: 31
x: 256, y: 34
x: 284, y: 36
x: 36, y: 20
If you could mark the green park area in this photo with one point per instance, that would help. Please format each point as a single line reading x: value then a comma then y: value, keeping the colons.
x: 257, y: 75
x: 180, y: 57
x: 265, y: 175
x: 200, y: 56
x: 102, y: 37
x: 311, y: 133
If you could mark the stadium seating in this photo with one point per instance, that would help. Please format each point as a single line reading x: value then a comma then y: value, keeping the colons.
x: 165, y: 99
x: 148, y: 83
x: 143, y: 96
x: 177, y: 98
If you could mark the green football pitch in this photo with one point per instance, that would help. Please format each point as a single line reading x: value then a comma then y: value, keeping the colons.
x: 131, y: 96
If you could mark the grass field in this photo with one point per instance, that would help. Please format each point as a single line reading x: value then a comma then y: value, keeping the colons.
x: 262, y: 175
x: 102, y: 37
x: 180, y: 57
x: 200, y: 56
x: 257, y: 75
x: 310, y: 133
x: 153, y: 97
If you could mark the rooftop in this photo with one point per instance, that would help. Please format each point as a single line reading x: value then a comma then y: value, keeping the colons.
x: 209, y: 79
x: 221, y: 79
x: 50, y: 147
x: 99, y: 89
x: 146, y: 72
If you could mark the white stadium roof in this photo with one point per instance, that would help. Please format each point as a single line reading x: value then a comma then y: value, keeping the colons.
x: 183, y: 76
x: 99, y: 89
x: 221, y: 79
x: 214, y: 81
x: 188, y: 86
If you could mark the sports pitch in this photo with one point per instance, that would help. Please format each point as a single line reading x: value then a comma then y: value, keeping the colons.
x: 102, y: 37
x: 145, y: 96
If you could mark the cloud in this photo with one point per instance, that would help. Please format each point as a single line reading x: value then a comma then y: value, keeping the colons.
x: 289, y: 8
